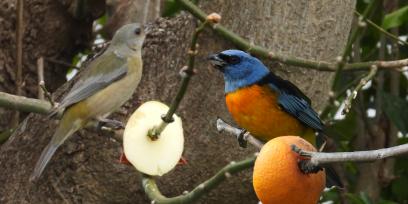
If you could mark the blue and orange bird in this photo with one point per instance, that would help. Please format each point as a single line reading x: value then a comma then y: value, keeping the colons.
x: 264, y: 104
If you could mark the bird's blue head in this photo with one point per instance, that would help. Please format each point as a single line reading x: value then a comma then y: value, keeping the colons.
x: 240, y: 69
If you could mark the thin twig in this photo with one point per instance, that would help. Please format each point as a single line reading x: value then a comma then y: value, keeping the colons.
x: 47, y: 93
x: 374, y: 25
x: 363, y: 81
x: 186, y: 74
x: 380, y: 79
x: 40, y: 75
x: 153, y: 192
x: 356, y: 33
x: 19, y: 57
x: 59, y: 62
x: 265, y: 53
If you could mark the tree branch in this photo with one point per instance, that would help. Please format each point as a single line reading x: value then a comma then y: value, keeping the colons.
x: 40, y: 75
x: 19, y: 57
x: 31, y: 105
x: 62, y: 63
x: 223, y: 126
x: 47, y: 94
x: 356, y: 33
x: 153, y: 192
x: 363, y: 81
x: 390, y: 35
x: 186, y: 73
x: 265, y: 53
x: 21, y: 103
x: 320, y: 158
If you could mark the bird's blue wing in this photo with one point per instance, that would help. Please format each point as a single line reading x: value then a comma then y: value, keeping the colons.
x: 294, y: 102
x: 301, y: 110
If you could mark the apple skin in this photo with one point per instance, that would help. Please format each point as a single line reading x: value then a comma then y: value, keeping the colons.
x: 153, y: 157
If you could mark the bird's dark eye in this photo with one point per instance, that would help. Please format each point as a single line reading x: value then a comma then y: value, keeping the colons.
x: 230, y: 59
x: 137, y: 31
x: 234, y: 60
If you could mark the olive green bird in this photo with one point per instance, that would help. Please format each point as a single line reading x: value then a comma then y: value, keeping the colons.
x: 107, y: 83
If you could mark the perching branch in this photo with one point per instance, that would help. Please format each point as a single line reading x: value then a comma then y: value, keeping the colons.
x: 320, y: 158
x: 21, y: 103
x: 265, y: 53
x: 153, y: 192
x: 186, y: 73
x: 223, y: 126
x: 31, y: 105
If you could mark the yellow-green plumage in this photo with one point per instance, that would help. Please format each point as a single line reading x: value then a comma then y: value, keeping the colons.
x: 105, y: 84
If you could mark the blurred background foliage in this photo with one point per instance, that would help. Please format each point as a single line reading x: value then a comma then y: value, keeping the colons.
x: 379, y: 114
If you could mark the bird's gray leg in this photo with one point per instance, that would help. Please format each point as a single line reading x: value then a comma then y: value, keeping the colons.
x: 114, y: 124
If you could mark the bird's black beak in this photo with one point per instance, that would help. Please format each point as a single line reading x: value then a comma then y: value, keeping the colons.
x: 217, y: 62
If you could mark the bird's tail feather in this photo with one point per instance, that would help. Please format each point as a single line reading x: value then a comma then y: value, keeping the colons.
x: 68, y: 125
x: 43, y: 161
x: 332, y: 178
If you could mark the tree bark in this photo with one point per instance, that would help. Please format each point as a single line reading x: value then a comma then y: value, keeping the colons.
x: 85, y: 168
x: 50, y: 31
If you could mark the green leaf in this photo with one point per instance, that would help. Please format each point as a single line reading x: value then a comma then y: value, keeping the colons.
x: 396, y: 18
x: 102, y: 20
x: 396, y: 110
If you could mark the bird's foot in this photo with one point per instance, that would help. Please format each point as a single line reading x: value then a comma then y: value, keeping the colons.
x: 114, y: 124
x: 307, y: 167
x: 241, y: 138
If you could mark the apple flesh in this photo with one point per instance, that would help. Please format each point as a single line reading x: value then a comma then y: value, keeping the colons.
x: 153, y: 157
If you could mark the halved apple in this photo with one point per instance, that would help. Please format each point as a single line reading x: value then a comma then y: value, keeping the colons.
x: 153, y: 157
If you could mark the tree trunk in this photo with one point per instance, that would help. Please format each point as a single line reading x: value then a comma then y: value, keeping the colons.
x: 85, y: 168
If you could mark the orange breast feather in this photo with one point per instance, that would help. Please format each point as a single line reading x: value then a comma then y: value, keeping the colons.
x: 255, y: 109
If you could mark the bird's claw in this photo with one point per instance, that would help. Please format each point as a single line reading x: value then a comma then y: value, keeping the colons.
x: 114, y: 124
x: 241, y: 138
x: 307, y: 167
